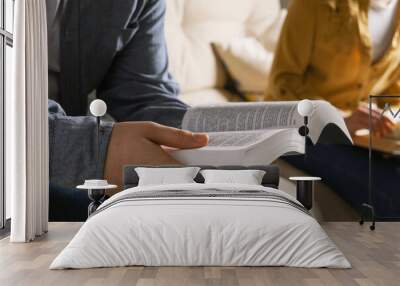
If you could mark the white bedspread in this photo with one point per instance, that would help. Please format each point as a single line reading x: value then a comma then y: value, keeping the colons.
x: 200, y: 231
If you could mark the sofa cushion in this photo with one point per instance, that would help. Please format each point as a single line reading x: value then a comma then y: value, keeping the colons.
x: 192, y: 25
x: 248, y: 62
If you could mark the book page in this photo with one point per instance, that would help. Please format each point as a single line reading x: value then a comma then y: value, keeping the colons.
x: 325, y: 117
x: 244, y: 148
x: 268, y: 115
x: 242, y: 116
x: 238, y: 139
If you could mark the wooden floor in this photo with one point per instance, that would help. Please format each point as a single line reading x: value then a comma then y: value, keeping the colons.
x: 375, y: 257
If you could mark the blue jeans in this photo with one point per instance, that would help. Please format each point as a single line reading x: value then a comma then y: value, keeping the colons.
x: 345, y: 170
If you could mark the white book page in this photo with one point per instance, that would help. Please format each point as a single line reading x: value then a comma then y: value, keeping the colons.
x: 323, y: 114
x: 237, y: 140
x: 244, y: 148
x: 242, y: 116
x: 262, y: 116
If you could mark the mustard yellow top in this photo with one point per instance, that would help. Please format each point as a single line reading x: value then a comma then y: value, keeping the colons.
x: 324, y: 52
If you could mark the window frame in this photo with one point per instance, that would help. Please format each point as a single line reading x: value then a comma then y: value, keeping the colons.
x: 6, y: 39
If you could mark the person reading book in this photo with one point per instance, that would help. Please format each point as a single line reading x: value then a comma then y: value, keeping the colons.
x: 341, y: 51
x: 125, y: 143
x: 118, y: 50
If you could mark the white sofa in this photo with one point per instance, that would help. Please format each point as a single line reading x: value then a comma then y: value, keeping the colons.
x: 192, y: 25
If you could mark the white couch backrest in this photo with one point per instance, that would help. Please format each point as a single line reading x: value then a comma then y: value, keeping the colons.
x: 192, y: 25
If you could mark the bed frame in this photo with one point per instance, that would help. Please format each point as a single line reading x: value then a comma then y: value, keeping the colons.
x: 270, y: 179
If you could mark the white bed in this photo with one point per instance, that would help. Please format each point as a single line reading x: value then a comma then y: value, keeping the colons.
x: 185, y: 230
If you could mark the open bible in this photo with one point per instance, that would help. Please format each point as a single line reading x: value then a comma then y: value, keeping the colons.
x: 258, y: 133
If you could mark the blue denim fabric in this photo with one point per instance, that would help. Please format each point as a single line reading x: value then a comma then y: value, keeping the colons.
x: 345, y: 170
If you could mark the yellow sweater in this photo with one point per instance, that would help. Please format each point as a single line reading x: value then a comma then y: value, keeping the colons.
x: 324, y: 52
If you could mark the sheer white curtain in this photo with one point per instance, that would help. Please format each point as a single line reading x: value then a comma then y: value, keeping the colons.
x: 27, y: 124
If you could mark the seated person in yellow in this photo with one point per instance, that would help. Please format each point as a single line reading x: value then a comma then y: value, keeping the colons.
x: 342, y: 51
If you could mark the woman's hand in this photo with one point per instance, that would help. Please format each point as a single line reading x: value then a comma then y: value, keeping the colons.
x: 359, y: 119
x: 140, y: 143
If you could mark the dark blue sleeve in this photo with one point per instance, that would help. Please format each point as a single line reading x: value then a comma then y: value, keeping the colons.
x: 73, y: 147
x: 138, y: 86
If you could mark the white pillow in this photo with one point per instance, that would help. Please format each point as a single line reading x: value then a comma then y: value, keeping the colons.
x: 246, y: 177
x: 248, y: 63
x: 166, y: 176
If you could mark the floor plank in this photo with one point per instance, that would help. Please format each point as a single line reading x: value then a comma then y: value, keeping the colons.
x: 375, y: 257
